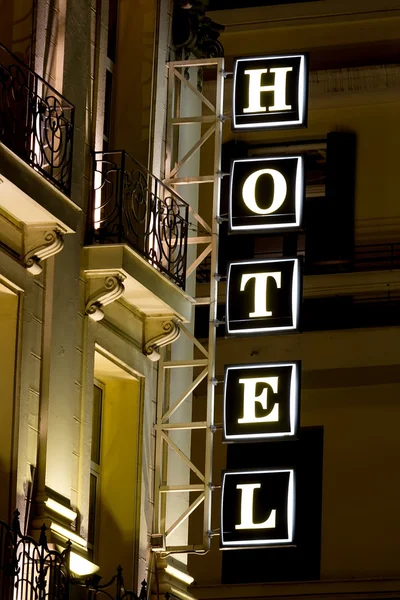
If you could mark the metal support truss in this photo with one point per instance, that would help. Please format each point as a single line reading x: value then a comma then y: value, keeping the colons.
x: 201, y: 366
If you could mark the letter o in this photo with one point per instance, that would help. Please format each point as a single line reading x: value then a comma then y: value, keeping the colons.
x: 279, y: 195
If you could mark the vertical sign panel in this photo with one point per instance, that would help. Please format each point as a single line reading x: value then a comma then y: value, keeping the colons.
x: 270, y: 92
x: 257, y: 508
x: 263, y: 296
x: 261, y: 402
x: 266, y: 194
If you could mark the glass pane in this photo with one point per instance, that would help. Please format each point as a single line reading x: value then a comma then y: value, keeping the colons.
x: 107, y: 105
x: 112, y: 29
x: 92, y: 509
x: 96, y: 424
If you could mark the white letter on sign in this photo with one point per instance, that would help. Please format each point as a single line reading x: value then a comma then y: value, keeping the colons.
x: 250, y: 399
x: 279, y: 90
x: 260, y: 291
x: 279, y: 194
x: 246, y: 511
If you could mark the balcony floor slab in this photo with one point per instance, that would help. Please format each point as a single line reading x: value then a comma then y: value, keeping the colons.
x: 146, y: 289
x: 30, y: 198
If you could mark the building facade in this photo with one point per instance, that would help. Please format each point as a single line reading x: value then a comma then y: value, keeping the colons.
x: 93, y: 276
x: 115, y: 152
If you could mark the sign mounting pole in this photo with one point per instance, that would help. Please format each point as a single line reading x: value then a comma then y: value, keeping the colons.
x: 206, y: 240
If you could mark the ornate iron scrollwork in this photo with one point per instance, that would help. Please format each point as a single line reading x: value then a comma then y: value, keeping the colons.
x: 95, y: 589
x: 132, y: 206
x: 29, y: 569
x: 36, y: 122
x: 193, y: 32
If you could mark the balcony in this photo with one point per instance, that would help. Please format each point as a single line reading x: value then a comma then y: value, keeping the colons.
x: 36, y: 122
x: 36, y: 139
x: 53, y: 570
x: 138, y: 231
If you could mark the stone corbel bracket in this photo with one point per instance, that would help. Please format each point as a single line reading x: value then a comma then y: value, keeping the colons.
x: 49, y: 244
x: 112, y: 289
x: 159, y: 333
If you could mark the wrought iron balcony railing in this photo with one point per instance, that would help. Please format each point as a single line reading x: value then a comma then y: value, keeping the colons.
x: 131, y: 206
x: 36, y: 122
x: 30, y: 570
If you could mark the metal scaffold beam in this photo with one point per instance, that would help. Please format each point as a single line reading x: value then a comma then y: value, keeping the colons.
x: 201, y: 364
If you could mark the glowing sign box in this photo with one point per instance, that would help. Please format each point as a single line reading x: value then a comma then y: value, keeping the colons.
x: 261, y: 402
x: 257, y: 508
x: 263, y: 296
x: 270, y: 92
x: 266, y: 193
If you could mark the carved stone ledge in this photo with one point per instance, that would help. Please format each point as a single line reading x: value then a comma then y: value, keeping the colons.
x: 159, y: 333
x: 111, y: 290
x: 44, y: 244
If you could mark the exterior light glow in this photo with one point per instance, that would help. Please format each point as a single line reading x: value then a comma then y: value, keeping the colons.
x: 177, y: 592
x: 68, y: 535
x: 181, y: 575
x: 60, y: 509
x: 81, y: 566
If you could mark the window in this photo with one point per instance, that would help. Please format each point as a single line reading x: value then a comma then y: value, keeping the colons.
x: 95, y: 465
x: 9, y: 309
x: 114, y: 468
x: 110, y: 66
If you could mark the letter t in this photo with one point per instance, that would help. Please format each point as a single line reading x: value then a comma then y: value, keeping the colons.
x: 260, y: 291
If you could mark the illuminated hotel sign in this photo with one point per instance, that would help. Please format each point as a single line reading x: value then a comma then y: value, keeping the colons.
x: 257, y: 508
x: 270, y: 92
x: 261, y: 401
x: 266, y: 193
x: 263, y: 296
